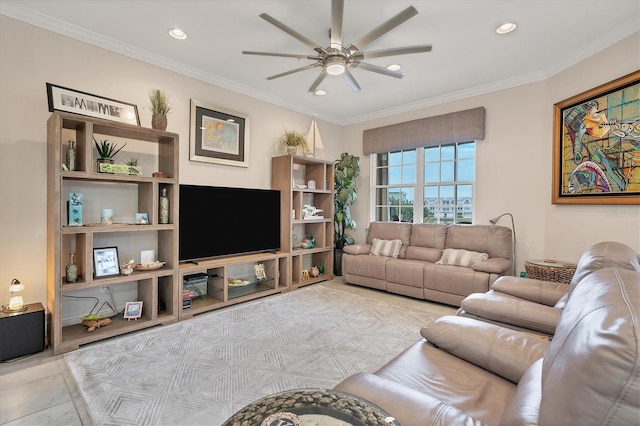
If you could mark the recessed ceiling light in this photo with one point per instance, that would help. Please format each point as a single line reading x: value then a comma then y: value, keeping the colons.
x: 394, y: 67
x: 506, y: 28
x: 177, y: 33
x: 320, y: 92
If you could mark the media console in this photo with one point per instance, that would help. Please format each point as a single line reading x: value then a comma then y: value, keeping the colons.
x: 216, y: 283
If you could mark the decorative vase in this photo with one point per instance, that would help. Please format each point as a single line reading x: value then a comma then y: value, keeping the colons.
x: 337, y: 262
x: 291, y: 149
x: 159, y: 121
x: 72, y: 269
x: 71, y: 156
x: 321, y: 269
x: 164, y: 207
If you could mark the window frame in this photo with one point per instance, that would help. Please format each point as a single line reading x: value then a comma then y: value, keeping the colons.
x: 419, y: 185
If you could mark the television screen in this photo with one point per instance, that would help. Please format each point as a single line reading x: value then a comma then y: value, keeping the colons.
x: 220, y: 221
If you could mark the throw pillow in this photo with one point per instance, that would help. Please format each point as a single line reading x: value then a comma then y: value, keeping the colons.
x: 461, y: 257
x: 388, y: 248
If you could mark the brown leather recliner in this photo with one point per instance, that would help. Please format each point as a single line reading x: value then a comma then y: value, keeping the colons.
x: 470, y: 372
x: 536, y: 305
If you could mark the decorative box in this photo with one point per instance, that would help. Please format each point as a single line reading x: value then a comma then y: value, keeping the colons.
x: 74, y: 209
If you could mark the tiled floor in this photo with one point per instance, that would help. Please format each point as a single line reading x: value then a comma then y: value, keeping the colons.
x: 40, y: 390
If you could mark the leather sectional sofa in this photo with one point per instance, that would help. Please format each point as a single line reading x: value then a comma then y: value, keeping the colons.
x: 416, y: 271
x: 470, y: 372
x: 536, y: 305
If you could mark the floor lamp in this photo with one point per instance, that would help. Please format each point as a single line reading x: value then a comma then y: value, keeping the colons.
x: 513, y: 228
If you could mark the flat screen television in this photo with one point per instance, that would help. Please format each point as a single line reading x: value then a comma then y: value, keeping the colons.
x: 222, y: 221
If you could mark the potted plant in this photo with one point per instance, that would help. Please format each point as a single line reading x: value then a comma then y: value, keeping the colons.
x: 291, y: 140
x: 106, y: 150
x: 133, y: 168
x: 346, y: 170
x: 160, y: 107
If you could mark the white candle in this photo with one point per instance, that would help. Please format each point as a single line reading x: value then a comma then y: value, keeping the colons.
x: 106, y: 216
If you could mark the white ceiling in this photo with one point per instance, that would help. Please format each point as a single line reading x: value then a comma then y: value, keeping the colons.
x: 468, y: 57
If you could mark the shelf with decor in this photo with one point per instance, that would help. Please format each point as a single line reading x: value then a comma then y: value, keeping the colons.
x: 216, y: 283
x: 78, y: 197
x: 308, y: 240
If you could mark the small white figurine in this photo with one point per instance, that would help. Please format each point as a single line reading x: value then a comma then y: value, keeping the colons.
x: 311, y: 212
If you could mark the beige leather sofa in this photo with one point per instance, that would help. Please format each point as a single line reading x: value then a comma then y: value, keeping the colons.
x: 416, y: 273
x: 536, y: 305
x: 470, y: 372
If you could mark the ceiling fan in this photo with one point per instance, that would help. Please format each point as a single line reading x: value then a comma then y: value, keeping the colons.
x: 337, y: 59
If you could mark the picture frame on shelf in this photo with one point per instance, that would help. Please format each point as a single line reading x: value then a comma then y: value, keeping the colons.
x: 261, y: 275
x: 142, y: 219
x: 595, y: 146
x: 78, y: 102
x: 105, y: 262
x: 218, y: 135
x: 133, y: 310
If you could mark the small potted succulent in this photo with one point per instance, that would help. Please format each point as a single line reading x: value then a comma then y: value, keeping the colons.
x: 106, y: 151
x: 133, y: 168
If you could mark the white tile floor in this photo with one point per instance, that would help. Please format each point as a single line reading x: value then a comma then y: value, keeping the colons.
x: 40, y: 390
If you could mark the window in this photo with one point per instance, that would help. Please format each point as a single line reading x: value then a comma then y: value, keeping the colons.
x: 430, y: 185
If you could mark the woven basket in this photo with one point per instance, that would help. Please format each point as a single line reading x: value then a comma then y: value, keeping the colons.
x: 560, y: 272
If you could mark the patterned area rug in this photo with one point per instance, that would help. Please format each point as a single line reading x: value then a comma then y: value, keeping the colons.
x: 203, y: 370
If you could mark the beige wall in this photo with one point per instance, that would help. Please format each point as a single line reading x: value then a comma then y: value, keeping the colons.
x: 513, y: 162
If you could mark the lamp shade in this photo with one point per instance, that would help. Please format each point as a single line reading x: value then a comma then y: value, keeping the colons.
x: 16, y: 301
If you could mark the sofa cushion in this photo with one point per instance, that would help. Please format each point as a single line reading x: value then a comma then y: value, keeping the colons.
x: 428, y: 235
x: 594, y: 356
x: 461, y: 257
x: 390, y: 231
x: 507, y: 353
x: 525, y: 404
x: 388, y: 248
x: 598, y: 256
x: 454, y: 381
x: 491, y: 239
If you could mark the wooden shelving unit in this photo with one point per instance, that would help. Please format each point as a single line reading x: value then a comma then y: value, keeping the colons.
x: 291, y: 175
x: 216, y: 292
x: 158, y: 289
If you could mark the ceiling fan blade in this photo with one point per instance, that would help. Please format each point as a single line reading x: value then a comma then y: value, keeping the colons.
x: 377, y: 69
x: 289, y: 31
x: 284, y: 55
x: 319, y: 80
x: 385, y: 27
x: 337, y: 12
x: 352, y: 81
x: 423, y: 48
x: 282, y: 74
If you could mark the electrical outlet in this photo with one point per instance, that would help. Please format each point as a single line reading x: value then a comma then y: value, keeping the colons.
x: 103, y: 289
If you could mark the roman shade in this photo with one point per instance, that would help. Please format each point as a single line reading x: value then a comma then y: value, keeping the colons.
x: 461, y: 126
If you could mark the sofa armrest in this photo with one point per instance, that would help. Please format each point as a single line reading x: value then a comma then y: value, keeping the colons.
x: 357, y: 249
x: 493, y: 265
x: 539, y: 291
x: 507, y: 353
x: 501, y: 307
x: 406, y: 405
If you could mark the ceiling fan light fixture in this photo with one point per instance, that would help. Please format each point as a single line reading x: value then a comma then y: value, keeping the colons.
x: 394, y: 67
x: 177, y: 33
x: 506, y: 28
x: 335, y: 65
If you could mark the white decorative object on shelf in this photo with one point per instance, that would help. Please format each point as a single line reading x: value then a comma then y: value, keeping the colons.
x: 311, y: 212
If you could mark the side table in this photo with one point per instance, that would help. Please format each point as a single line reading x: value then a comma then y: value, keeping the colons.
x: 22, y: 332
x: 301, y: 407
x: 550, y: 270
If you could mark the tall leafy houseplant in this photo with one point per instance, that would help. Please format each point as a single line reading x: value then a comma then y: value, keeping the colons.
x: 345, y: 170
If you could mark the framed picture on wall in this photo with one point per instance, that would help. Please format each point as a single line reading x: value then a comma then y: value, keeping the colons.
x: 70, y: 100
x: 596, y: 145
x: 218, y: 135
